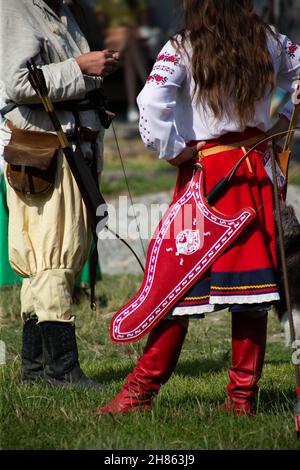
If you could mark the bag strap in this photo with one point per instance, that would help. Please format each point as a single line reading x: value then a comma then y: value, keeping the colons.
x: 95, y: 101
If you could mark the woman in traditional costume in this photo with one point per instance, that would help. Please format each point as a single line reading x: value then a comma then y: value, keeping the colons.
x: 208, y: 100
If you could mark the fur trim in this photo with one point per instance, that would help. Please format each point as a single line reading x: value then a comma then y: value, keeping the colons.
x: 291, y: 227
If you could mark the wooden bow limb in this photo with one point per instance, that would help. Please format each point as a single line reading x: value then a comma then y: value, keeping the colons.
x: 220, y: 187
x: 286, y: 279
x: 283, y: 157
x: 282, y: 160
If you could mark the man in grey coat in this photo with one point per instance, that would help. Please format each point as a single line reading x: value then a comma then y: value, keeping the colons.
x: 49, y: 234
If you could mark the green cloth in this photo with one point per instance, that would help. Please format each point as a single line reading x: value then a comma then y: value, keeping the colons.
x: 7, y: 276
x: 84, y: 277
x: 119, y: 12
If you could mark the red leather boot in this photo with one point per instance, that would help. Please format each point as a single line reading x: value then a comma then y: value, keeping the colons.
x: 249, y: 336
x: 153, y: 369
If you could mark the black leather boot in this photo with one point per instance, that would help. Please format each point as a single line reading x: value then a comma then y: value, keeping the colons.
x: 61, y: 356
x: 32, y: 352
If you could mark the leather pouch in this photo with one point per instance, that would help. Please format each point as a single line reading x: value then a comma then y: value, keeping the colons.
x: 32, y: 161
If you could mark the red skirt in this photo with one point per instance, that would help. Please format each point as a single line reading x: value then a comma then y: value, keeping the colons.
x: 244, y: 276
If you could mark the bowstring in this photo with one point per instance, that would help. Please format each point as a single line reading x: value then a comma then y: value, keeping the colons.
x: 129, y: 191
x: 127, y: 245
x: 248, y: 153
x: 257, y: 210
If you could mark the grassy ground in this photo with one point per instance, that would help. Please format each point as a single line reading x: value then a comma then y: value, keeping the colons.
x: 295, y: 178
x: 184, y: 415
x: 146, y: 174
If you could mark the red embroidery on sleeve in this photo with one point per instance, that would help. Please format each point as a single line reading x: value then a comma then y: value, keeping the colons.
x: 158, y: 79
x: 166, y: 57
x: 291, y: 49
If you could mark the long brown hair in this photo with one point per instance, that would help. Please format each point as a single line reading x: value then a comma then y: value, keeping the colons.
x: 231, y: 64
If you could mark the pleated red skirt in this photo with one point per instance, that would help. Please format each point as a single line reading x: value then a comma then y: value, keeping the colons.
x: 245, y: 276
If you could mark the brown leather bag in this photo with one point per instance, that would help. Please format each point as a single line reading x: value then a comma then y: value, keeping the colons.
x: 32, y: 160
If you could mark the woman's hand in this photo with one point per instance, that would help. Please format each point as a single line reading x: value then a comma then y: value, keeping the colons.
x: 98, y: 63
x: 187, y: 154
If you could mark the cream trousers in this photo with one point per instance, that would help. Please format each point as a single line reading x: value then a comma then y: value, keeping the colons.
x: 49, y: 240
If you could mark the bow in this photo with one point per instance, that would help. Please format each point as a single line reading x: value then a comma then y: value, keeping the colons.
x: 132, y: 205
x: 219, y: 189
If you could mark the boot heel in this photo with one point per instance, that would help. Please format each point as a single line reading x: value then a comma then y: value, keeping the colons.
x: 153, y: 369
x: 62, y: 367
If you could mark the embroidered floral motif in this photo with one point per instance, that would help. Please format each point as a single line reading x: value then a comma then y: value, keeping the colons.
x: 146, y: 135
x: 158, y: 79
x: 291, y: 49
x: 164, y: 68
x: 166, y: 57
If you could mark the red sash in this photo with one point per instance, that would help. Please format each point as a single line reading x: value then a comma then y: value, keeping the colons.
x: 189, y: 238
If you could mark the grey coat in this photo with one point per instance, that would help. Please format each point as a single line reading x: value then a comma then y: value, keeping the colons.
x: 31, y: 29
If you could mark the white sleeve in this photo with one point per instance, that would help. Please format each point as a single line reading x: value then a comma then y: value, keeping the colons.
x: 289, y: 71
x: 157, y: 102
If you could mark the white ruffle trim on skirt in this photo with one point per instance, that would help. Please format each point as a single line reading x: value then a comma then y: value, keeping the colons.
x: 244, y: 299
x: 180, y: 311
x: 216, y: 303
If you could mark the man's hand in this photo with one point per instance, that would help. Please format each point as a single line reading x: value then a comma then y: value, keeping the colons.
x: 98, y: 63
x: 187, y: 154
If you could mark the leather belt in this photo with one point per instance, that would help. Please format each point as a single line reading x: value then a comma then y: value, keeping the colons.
x: 84, y: 135
x: 234, y: 146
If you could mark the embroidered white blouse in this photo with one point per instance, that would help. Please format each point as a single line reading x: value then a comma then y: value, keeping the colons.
x: 169, y: 115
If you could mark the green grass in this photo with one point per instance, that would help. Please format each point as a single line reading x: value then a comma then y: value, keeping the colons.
x: 295, y: 179
x: 184, y: 415
x: 145, y: 172
x: 294, y: 173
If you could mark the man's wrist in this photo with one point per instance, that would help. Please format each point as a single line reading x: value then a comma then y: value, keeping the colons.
x: 80, y: 63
